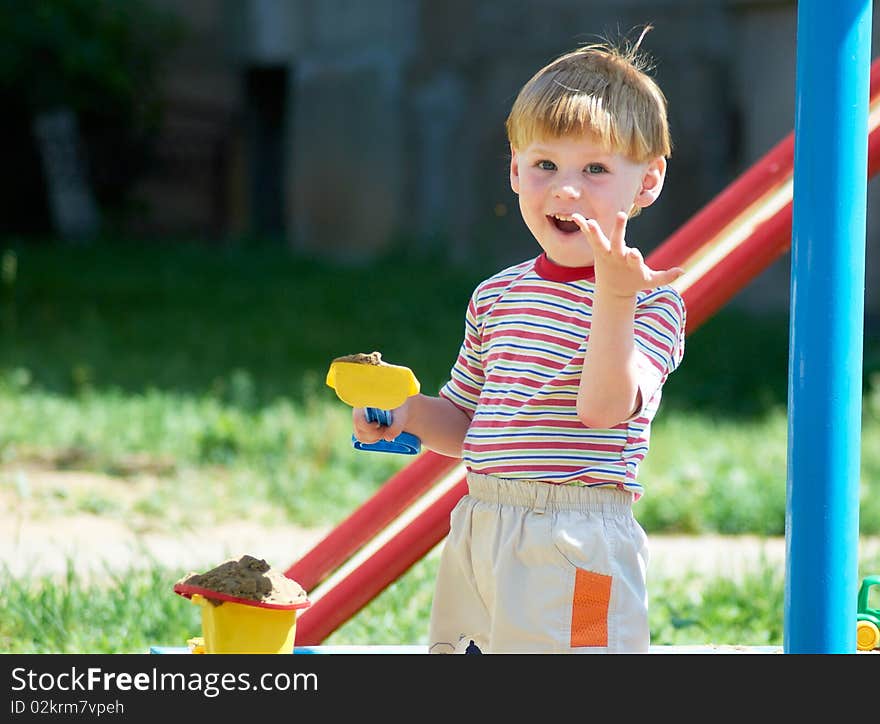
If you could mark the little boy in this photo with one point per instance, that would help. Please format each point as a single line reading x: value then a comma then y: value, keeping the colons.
x: 551, y: 398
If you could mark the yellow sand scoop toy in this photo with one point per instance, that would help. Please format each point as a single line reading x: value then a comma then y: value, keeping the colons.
x: 364, y: 380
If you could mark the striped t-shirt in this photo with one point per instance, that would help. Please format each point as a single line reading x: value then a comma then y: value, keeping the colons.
x: 519, y: 367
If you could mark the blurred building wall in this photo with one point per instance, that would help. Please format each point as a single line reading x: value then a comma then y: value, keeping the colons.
x: 346, y: 127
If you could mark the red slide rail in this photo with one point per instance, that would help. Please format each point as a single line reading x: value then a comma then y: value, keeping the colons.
x: 750, y: 221
x: 400, y: 491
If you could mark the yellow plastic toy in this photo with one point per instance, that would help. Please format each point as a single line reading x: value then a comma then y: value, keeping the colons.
x: 241, y: 626
x: 372, y: 384
x: 363, y: 380
x: 868, y: 614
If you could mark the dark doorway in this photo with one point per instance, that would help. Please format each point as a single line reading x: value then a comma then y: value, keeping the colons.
x: 266, y: 93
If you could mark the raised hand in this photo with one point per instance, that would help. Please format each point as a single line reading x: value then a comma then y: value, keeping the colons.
x: 620, y: 269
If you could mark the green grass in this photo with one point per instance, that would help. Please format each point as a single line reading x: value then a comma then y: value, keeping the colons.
x: 246, y: 326
x: 204, y: 367
x: 131, y: 612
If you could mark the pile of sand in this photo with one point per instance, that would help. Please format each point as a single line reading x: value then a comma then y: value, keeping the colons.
x: 249, y: 578
x: 373, y: 358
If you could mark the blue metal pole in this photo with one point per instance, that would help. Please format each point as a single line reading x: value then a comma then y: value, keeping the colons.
x: 826, y: 325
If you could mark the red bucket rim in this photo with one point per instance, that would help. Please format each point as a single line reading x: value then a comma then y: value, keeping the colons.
x: 187, y: 590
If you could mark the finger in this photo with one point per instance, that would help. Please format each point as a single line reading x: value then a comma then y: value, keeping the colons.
x: 367, y: 435
x: 618, y: 234
x: 593, y: 232
x: 364, y: 431
x: 392, y: 431
x: 634, y: 258
x: 667, y: 276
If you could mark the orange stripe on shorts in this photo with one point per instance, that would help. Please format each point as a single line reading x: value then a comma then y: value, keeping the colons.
x: 589, y: 609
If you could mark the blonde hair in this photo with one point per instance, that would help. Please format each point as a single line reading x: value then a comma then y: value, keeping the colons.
x: 601, y: 89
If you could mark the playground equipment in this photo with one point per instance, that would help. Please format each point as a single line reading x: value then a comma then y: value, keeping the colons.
x: 827, y: 323
x: 725, y: 245
x: 868, y: 617
x: 364, y: 380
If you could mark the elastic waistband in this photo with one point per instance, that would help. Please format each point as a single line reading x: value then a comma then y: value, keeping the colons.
x: 542, y: 496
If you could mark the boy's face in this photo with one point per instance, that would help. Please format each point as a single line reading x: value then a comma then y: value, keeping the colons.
x: 557, y: 177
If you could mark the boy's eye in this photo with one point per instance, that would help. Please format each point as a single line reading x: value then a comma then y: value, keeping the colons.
x: 596, y: 168
x: 546, y: 165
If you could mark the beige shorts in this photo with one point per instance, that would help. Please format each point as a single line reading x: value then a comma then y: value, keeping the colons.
x: 531, y: 567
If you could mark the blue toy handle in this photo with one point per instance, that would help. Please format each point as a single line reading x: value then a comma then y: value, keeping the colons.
x: 404, y: 444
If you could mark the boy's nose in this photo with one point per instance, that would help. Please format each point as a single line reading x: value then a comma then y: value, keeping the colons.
x: 567, y: 190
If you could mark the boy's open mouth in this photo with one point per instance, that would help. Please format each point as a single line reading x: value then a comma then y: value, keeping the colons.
x: 564, y: 223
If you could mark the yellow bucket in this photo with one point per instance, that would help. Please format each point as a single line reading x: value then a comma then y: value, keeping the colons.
x: 240, y: 626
